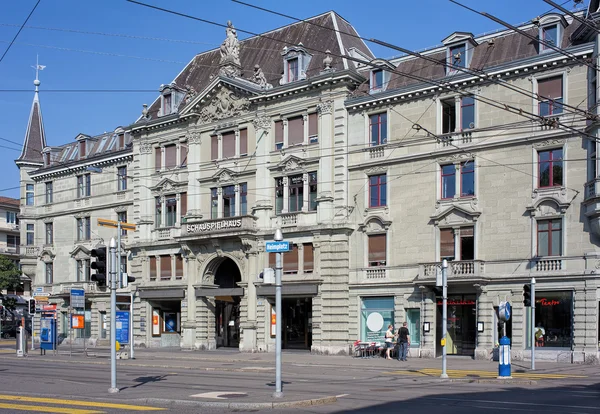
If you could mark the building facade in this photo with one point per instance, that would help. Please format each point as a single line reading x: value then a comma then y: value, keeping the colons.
x: 481, y: 151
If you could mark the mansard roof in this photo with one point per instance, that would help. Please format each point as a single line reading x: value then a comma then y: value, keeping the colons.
x: 317, y: 35
x: 35, y: 137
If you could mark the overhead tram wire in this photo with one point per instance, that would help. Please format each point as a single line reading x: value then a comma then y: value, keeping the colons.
x: 585, y: 22
x: 20, y: 29
x: 479, y: 73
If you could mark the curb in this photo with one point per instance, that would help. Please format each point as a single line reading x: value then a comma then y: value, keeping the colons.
x: 239, y: 405
x: 512, y: 381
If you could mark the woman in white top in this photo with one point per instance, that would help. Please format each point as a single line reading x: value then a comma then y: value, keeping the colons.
x: 389, y: 338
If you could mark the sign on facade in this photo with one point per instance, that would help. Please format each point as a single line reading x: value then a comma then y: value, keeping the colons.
x: 213, y: 225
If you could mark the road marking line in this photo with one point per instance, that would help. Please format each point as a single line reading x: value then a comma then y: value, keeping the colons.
x: 79, y: 403
x: 41, y: 409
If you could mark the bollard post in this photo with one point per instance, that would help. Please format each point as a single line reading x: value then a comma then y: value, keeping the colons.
x: 504, y: 370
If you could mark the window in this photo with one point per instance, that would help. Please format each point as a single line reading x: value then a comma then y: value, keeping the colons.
x: 84, y: 230
x: 290, y: 261
x: 377, y: 313
x: 550, y: 95
x: 122, y: 217
x: 82, y: 149
x: 30, y: 235
x: 153, y: 268
x: 296, y: 193
x: 448, y: 116
x: 49, y: 233
x: 549, y: 34
x: 171, y: 207
x: 295, y: 131
x: 157, y: 212
x: 49, y: 192
x: 243, y: 142
x: 458, y: 56
x: 12, y: 242
x: 84, y: 185
x: 11, y: 217
x: 312, y: 191
x: 550, y: 164
x: 214, y: 147
x: 378, y: 190
x: 243, y: 199
x: 183, y: 205
x: 466, y: 244
x: 549, y: 237
x: 279, y: 188
x: 166, y: 104
x: 308, y: 253
x: 278, y: 135
x: 377, y: 250
x: 49, y: 273
x: 377, y: 79
x: 183, y: 154
x: 292, y: 69
x: 229, y: 201
x: 447, y: 244
x: 165, y: 267
x: 170, y: 156
x: 158, y: 158
x: 553, y: 319
x: 413, y: 318
x: 465, y: 117
x: 448, y: 181
x: 178, y: 267
x: 313, y: 128
x: 214, y: 203
x: 122, y: 178
x: 467, y: 112
x: 467, y: 179
x: 83, y: 270
x: 121, y: 141
x: 228, y: 140
x: 378, y: 129
x: 29, y: 194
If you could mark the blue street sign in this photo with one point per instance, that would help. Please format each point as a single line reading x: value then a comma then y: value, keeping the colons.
x: 78, y: 298
x: 122, y: 322
x: 504, y: 311
x: 277, y: 246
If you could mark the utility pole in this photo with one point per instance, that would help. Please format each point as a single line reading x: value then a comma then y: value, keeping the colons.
x: 444, y: 315
x: 278, y: 315
x: 112, y: 275
x: 532, y: 323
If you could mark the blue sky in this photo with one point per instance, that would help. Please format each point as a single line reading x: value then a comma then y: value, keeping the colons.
x: 76, y: 60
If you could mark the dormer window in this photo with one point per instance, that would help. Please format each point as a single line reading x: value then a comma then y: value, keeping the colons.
x: 549, y: 35
x: 551, y: 28
x: 377, y: 79
x: 458, y: 56
x: 166, y: 104
x: 459, y: 51
x: 82, y: 152
x: 295, y: 63
x: 171, y: 97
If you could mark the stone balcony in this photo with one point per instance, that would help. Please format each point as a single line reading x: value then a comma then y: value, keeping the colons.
x: 61, y: 289
x: 30, y: 251
x: 166, y: 233
x: 296, y: 219
x: 460, y: 269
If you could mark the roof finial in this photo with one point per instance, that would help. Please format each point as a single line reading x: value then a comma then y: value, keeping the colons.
x: 37, y: 68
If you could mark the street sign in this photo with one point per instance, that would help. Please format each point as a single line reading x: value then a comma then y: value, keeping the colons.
x: 39, y: 294
x: 113, y: 223
x: 78, y: 298
x: 504, y: 311
x: 277, y: 246
x: 122, y: 322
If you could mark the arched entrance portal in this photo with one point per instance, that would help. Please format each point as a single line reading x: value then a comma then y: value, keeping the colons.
x: 227, y: 308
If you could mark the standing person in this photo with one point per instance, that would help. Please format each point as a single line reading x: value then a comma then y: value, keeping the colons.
x: 403, y: 342
x: 389, y: 337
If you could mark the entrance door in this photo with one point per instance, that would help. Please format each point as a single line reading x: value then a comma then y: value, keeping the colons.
x: 297, y: 323
x: 227, y: 321
x: 461, y: 325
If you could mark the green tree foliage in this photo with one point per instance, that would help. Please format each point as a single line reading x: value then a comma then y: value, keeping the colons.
x: 10, y: 275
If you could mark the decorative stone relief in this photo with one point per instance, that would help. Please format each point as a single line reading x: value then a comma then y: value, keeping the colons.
x: 145, y: 147
x: 549, y: 143
x: 291, y: 165
x: 225, y: 104
x: 260, y: 78
x: 457, y: 157
x: 190, y: 93
x: 193, y: 137
x: 375, y: 170
x: 120, y: 209
x: 261, y: 122
x: 230, y: 53
x: 225, y: 177
x: 325, y: 107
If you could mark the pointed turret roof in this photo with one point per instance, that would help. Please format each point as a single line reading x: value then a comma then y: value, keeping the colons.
x: 35, y: 137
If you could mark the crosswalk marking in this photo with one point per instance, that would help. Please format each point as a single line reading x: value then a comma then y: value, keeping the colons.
x: 41, y: 409
x: 78, y: 403
x: 481, y: 374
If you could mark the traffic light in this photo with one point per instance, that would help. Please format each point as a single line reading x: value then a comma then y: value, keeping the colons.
x: 31, y: 306
x: 99, y: 266
x: 527, y: 295
x: 126, y: 279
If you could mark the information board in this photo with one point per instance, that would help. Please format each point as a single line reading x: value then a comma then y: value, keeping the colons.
x: 122, y: 322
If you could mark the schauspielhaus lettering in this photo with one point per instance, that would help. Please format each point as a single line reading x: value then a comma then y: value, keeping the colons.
x: 214, y: 225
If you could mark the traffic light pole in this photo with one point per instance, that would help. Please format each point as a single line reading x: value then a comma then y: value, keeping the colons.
x: 113, y: 314
x: 533, y: 323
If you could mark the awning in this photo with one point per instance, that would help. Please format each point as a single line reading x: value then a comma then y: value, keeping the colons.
x: 296, y: 289
x: 162, y: 294
x: 202, y: 292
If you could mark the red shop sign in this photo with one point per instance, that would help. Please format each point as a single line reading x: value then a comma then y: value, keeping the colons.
x: 546, y: 302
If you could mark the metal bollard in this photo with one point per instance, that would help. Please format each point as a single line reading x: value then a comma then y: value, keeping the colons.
x: 504, y: 351
x: 21, y: 342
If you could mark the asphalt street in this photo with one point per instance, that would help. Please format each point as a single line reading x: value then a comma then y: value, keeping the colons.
x: 226, y: 381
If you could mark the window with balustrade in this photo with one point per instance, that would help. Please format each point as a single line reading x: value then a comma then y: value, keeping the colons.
x: 378, y: 190
x: 296, y: 187
x: 378, y: 129
x: 549, y: 237
x: 377, y: 249
x: 30, y: 234
x: 457, y: 243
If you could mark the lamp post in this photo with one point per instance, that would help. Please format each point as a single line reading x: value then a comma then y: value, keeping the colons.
x: 112, y: 280
x: 444, y: 315
x: 278, y: 314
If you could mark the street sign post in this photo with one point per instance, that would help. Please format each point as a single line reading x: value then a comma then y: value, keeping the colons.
x: 277, y: 246
x: 78, y: 298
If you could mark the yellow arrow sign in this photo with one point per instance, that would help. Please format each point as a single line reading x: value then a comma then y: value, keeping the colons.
x: 113, y: 223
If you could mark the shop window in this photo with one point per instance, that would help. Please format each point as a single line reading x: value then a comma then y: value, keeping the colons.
x: 553, y: 319
x: 549, y: 237
x: 550, y: 168
x: 378, y: 129
x: 156, y: 322
x: 378, y: 190
x: 376, y: 314
x: 153, y: 268
x: 171, y: 322
x: 550, y: 95
x: 29, y: 194
x: 413, y: 319
x: 308, y: 257
x: 377, y: 249
x: 165, y: 267
x: 290, y: 261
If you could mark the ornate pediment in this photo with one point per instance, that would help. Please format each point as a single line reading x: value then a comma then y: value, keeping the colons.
x: 47, y: 256
x: 549, y: 206
x: 455, y: 215
x: 225, y: 176
x: 375, y: 225
x: 80, y: 252
x: 292, y: 164
x: 223, y: 103
x: 166, y: 185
